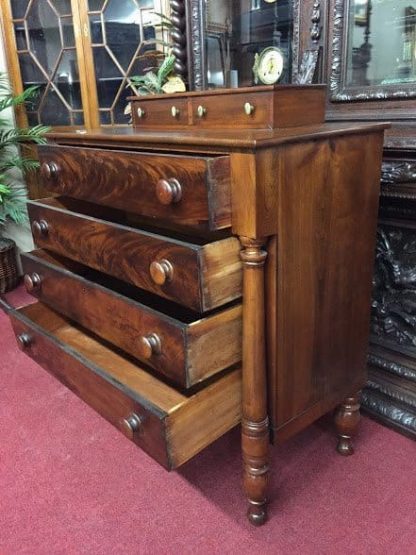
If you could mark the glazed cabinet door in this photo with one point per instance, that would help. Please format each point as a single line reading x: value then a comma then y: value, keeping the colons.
x: 80, y: 53
x: 42, y: 51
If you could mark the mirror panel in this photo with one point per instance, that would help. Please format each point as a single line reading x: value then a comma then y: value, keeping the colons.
x: 381, y: 42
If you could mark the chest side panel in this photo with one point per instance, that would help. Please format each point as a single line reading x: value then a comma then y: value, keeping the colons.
x: 319, y: 275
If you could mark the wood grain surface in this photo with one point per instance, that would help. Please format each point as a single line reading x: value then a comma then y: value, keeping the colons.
x: 129, y: 181
x: 319, y: 276
x: 191, y: 348
x: 204, y: 276
x: 172, y: 427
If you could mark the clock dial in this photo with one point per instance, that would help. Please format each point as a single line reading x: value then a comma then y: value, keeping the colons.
x: 271, y: 65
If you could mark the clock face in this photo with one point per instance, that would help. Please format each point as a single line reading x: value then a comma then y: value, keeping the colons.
x: 271, y: 65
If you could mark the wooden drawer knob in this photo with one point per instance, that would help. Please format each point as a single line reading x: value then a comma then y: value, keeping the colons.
x: 49, y: 170
x: 40, y: 229
x: 168, y: 191
x: 175, y: 112
x: 24, y: 340
x: 32, y: 281
x: 161, y: 271
x: 131, y: 425
x: 150, y: 345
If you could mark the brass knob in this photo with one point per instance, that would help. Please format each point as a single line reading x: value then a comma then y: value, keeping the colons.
x: 131, y: 425
x: 150, y: 345
x: 24, y: 340
x: 201, y: 111
x: 32, y: 281
x: 248, y: 108
x: 141, y: 113
x: 168, y: 191
x: 40, y: 229
x: 49, y: 170
x: 161, y: 271
x: 175, y: 112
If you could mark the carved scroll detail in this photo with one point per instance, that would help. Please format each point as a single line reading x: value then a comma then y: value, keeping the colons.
x: 380, y: 405
x: 316, y: 20
x: 398, y: 171
x: 392, y: 367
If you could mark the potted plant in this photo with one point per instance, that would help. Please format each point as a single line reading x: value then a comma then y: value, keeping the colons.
x: 14, y: 144
x: 161, y: 78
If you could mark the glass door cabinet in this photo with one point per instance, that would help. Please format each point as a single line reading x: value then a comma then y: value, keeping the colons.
x: 81, y: 54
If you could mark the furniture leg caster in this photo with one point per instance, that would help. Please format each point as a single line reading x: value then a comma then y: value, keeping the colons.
x: 347, y: 418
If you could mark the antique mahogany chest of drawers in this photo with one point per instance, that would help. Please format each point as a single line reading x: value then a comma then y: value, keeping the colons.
x: 192, y: 278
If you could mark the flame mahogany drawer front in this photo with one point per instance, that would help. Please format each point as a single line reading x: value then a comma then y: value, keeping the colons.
x: 183, y: 346
x: 185, y: 190
x: 170, y: 426
x: 200, y: 276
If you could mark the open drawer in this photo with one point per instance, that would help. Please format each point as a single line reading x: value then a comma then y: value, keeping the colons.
x: 170, y: 426
x: 199, y: 273
x: 185, y: 347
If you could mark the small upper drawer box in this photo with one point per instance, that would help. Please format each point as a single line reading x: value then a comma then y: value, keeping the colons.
x: 267, y: 107
x: 186, y: 190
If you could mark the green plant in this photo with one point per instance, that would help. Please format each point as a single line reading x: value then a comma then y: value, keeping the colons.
x: 14, y: 143
x: 155, y: 79
x: 151, y: 82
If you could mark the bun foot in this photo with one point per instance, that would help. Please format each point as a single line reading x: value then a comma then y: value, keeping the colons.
x: 257, y: 513
x: 347, y: 418
x: 345, y: 446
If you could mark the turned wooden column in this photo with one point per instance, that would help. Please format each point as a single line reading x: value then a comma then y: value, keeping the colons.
x: 347, y: 418
x: 255, y: 423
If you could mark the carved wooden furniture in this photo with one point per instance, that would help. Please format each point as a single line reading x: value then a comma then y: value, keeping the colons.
x: 171, y: 256
x: 367, y: 59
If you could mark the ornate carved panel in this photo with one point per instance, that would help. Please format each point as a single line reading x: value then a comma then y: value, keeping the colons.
x: 394, y: 287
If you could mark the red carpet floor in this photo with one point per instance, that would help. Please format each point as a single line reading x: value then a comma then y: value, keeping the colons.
x: 71, y: 484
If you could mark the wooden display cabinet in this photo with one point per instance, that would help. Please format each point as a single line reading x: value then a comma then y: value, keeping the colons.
x: 81, y: 54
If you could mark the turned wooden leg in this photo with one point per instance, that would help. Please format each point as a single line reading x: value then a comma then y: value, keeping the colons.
x: 255, y: 424
x: 347, y: 417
